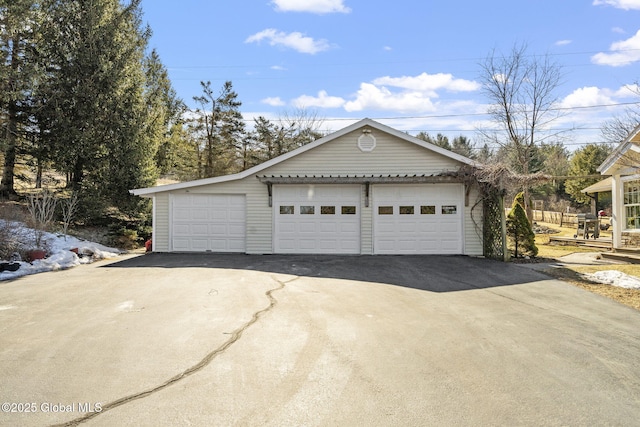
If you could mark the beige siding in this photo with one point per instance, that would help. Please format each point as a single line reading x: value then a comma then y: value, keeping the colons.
x: 161, y: 222
x: 342, y: 156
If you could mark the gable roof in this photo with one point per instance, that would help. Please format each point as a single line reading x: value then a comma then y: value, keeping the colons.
x: 252, y: 171
x: 599, y: 187
x: 629, y: 147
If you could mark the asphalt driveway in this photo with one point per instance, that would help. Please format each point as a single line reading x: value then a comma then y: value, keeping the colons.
x: 313, y: 340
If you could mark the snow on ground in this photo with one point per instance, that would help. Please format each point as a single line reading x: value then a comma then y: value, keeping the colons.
x: 60, y: 256
x: 614, y: 278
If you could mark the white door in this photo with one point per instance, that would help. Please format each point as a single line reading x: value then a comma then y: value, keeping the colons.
x: 208, y: 222
x: 418, y: 219
x: 317, y: 219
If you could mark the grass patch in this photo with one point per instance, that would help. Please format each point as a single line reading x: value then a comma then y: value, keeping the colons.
x: 574, y: 274
x: 628, y: 297
x: 548, y: 250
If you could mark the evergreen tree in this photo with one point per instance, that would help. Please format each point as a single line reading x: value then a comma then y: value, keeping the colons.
x: 485, y: 155
x: 95, y: 117
x: 164, y: 111
x: 584, y: 162
x: 520, y: 235
x: 218, y: 130
x: 555, y: 162
x: 19, y: 72
x: 463, y: 146
x: 440, y: 140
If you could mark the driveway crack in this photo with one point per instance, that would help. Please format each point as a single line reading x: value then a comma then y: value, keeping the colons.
x: 235, y: 336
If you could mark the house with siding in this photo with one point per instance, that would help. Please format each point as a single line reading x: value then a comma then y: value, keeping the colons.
x: 623, y: 166
x: 365, y: 189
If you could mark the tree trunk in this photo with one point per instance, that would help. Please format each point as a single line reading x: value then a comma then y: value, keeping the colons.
x: 39, y: 175
x: 7, y: 188
x: 7, y: 185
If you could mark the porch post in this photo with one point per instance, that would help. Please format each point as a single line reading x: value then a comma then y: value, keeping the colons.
x: 617, y: 211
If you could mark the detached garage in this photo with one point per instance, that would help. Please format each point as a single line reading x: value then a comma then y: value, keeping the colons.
x: 366, y: 189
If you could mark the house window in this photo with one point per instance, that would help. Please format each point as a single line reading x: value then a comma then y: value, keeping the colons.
x: 286, y: 210
x: 327, y: 210
x: 307, y: 210
x: 406, y: 210
x: 632, y: 204
x: 348, y: 210
x: 385, y: 210
x: 427, y: 210
x: 449, y: 210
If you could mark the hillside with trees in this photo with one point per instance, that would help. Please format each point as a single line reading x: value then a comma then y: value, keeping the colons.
x: 86, y: 108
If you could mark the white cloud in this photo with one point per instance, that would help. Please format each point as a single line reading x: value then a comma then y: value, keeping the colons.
x: 587, y: 97
x: 624, y: 52
x: 295, y: 40
x: 387, y: 48
x: 323, y: 100
x: 429, y: 83
x: 620, y: 4
x: 628, y: 91
x: 278, y: 68
x: 618, y: 30
x: 373, y: 97
x: 274, y: 102
x: 563, y: 42
x: 311, y: 6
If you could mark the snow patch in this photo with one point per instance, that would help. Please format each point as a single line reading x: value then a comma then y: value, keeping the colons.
x: 60, y: 255
x: 614, y: 278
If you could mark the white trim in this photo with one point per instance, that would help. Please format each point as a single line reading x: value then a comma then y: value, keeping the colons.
x: 617, y: 199
x: 153, y: 224
x: 170, y: 243
x: 610, y: 162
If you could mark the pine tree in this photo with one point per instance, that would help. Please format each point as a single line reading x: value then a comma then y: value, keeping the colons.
x: 95, y: 117
x: 19, y: 72
x: 218, y: 130
x: 520, y: 234
x: 463, y: 146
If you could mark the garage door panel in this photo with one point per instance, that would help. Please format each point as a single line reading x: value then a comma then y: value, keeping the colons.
x: 325, y: 230
x: 199, y: 244
x: 328, y: 227
x: 427, y: 230
x: 349, y: 228
x: 208, y: 222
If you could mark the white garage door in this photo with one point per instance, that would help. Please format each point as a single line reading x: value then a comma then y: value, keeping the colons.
x: 317, y: 219
x: 418, y: 219
x: 208, y: 222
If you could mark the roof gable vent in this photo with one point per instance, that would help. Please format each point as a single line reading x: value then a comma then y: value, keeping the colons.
x: 366, y: 141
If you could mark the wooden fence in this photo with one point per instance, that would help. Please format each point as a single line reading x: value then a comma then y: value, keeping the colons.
x: 560, y: 218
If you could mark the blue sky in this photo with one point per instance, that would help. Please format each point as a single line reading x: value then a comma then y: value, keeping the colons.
x: 413, y: 65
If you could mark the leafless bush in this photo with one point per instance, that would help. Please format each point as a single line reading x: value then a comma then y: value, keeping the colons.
x: 42, y: 207
x: 11, y: 217
x: 69, y: 207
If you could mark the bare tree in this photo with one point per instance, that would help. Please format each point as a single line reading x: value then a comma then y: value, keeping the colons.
x: 618, y: 128
x: 521, y: 90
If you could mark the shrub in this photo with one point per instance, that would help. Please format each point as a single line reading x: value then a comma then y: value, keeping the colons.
x: 520, y: 235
